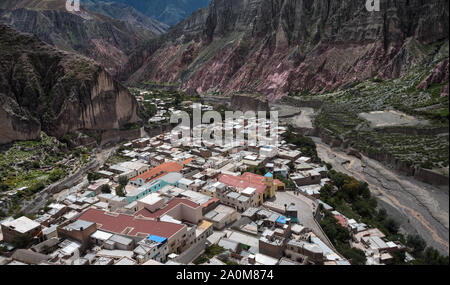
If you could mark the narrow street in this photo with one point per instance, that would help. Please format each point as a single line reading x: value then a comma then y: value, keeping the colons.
x: 305, y: 209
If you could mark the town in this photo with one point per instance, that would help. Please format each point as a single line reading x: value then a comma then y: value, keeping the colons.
x: 154, y: 201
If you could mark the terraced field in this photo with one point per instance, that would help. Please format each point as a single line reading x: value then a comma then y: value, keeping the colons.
x: 414, y: 129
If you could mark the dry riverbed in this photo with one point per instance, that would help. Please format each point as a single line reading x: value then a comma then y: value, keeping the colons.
x: 418, y: 207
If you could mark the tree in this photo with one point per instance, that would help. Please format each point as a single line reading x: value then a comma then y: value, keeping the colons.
x: 382, y: 215
x: 355, y: 255
x: 351, y: 189
x: 120, y: 191
x: 22, y: 241
x: 391, y: 225
x: 92, y: 177
x: 338, y: 178
x: 433, y: 257
x: 416, y: 243
x: 48, y: 249
x: 105, y: 189
x: 123, y: 181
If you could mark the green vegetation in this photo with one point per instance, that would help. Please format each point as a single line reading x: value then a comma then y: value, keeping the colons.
x: 130, y: 127
x: 92, y: 177
x: 56, y: 174
x: 48, y: 249
x: 340, y: 237
x: 117, y: 157
x: 210, y: 252
x: 27, y: 167
x: 106, y: 189
x: 305, y: 144
x: 26, y: 163
x: 353, y: 199
x: 22, y: 241
x: 148, y: 110
x: 120, y: 190
x: 340, y: 117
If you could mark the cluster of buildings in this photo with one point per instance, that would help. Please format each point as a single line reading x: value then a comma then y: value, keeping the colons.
x: 371, y: 241
x: 179, y: 200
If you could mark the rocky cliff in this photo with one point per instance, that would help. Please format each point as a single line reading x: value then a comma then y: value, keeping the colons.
x: 125, y: 13
x: 107, y: 40
x: 281, y: 46
x: 42, y: 88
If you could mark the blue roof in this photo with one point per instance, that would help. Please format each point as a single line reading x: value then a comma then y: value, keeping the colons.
x: 157, y: 239
x: 282, y: 220
x: 268, y: 174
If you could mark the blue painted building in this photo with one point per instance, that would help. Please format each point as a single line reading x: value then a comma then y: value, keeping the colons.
x: 154, y: 186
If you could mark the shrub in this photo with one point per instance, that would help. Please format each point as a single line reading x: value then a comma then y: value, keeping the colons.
x: 56, y: 174
x: 416, y: 243
x: 105, y: 189
x: 22, y: 241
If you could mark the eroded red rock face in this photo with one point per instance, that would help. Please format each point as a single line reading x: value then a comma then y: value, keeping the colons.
x: 438, y: 75
x: 45, y: 89
x: 281, y: 46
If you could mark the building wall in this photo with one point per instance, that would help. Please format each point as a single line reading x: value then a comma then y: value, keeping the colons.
x: 81, y: 236
x: 298, y: 253
x: 186, y: 213
x: 154, y: 188
x: 10, y: 234
x: 270, y: 249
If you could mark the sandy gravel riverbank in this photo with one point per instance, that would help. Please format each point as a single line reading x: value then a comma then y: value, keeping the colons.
x: 419, y: 207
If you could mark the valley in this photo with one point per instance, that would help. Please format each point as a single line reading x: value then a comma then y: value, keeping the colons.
x: 94, y: 171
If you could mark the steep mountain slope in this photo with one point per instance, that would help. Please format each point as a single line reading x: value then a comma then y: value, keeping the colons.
x: 281, y: 46
x: 43, y: 88
x: 125, y: 13
x: 169, y: 12
x: 104, y: 39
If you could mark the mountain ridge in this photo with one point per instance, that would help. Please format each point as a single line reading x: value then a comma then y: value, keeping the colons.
x: 280, y: 46
x: 46, y: 89
x: 107, y: 40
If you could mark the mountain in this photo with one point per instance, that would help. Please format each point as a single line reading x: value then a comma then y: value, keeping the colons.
x: 102, y: 38
x: 46, y: 89
x: 281, y: 46
x: 125, y: 13
x: 169, y: 12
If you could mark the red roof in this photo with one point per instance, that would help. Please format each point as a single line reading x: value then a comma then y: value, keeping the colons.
x: 341, y: 220
x: 187, y: 161
x: 211, y: 201
x: 246, y: 180
x: 129, y: 225
x: 159, y: 171
x: 172, y: 204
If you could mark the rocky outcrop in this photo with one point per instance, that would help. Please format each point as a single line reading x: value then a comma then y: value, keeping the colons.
x: 15, y: 123
x: 106, y: 40
x: 42, y: 88
x: 281, y: 46
x: 438, y: 75
x: 125, y: 13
